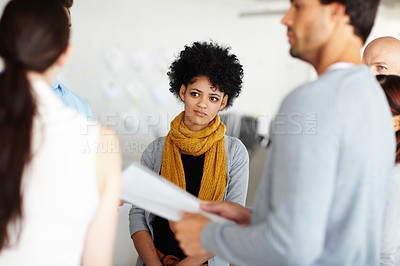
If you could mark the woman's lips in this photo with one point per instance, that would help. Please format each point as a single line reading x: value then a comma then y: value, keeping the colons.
x: 198, y: 113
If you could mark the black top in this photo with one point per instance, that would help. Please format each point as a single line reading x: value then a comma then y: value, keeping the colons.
x: 164, y: 239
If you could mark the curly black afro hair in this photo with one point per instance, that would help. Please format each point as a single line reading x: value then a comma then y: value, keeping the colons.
x: 211, y: 60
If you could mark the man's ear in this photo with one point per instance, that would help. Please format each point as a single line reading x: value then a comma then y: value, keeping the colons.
x: 339, y: 12
x: 182, y: 92
x: 224, y: 102
x: 64, y: 56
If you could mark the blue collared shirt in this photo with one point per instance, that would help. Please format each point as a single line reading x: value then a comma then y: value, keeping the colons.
x: 72, y: 100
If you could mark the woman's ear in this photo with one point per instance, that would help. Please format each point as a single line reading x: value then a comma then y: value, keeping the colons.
x: 224, y: 102
x: 182, y: 92
x: 64, y: 56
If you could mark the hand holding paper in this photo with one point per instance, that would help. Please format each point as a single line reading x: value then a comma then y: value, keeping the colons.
x: 229, y: 210
x: 188, y: 233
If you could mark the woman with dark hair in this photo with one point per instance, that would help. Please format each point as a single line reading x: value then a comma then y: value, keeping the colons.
x: 390, y: 245
x: 196, y: 154
x: 49, y: 214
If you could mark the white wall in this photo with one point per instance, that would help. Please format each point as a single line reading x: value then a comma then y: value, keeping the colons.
x: 141, y: 38
x: 129, y: 90
x: 156, y: 31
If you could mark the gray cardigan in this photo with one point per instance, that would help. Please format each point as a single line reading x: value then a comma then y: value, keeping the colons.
x: 237, y: 168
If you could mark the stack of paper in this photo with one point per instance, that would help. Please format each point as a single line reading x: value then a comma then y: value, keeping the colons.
x: 149, y: 191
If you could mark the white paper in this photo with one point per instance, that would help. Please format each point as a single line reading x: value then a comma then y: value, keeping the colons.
x: 149, y: 191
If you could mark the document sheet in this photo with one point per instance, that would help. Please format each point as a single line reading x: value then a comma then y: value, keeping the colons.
x: 151, y: 192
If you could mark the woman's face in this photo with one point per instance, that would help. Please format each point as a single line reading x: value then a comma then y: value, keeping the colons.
x: 202, y: 103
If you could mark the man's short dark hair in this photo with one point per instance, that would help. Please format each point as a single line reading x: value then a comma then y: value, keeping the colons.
x: 67, y: 3
x: 362, y: 14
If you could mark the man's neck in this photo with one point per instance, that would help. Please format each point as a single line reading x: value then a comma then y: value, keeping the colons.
x: 344, y: 46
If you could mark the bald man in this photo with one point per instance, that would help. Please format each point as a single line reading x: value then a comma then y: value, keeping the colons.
x: 382, y: 56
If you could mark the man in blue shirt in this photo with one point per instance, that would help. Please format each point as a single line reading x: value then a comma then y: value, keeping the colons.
x: 69, y: 98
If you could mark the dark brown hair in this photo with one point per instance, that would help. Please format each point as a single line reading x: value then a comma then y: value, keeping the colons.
x: 391, y: 86
x: 67, y: 3
x: 33, y: 34
x: 362, y: 14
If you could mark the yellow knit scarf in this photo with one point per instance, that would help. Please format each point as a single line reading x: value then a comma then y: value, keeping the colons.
x: 209, y: 141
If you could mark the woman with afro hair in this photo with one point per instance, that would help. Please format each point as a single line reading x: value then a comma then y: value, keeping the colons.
x: 196, y: 154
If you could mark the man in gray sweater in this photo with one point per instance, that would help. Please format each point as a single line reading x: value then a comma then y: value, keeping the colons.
x: 331, y: 152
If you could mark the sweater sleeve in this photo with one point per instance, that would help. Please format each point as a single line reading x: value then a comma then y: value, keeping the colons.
x: 390, y: 244
x: 288, y: 228
x: 137, y: 219
x: 239, y: 172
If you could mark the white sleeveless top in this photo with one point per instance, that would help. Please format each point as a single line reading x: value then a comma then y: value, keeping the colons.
x: 60, y: 193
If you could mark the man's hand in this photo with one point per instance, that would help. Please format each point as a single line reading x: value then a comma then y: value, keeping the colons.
x: 188, y: 233
x: 229, y: 210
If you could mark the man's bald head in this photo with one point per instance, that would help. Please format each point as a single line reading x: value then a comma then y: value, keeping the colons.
x: 382, y: 56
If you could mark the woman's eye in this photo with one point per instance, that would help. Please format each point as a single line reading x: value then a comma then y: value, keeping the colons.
x: 381, y: 68
x: 214, y: 99
x: 194, y: 94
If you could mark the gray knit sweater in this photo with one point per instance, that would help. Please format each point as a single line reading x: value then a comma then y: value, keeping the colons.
x: 237, y: 168
x: 322, y: 196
